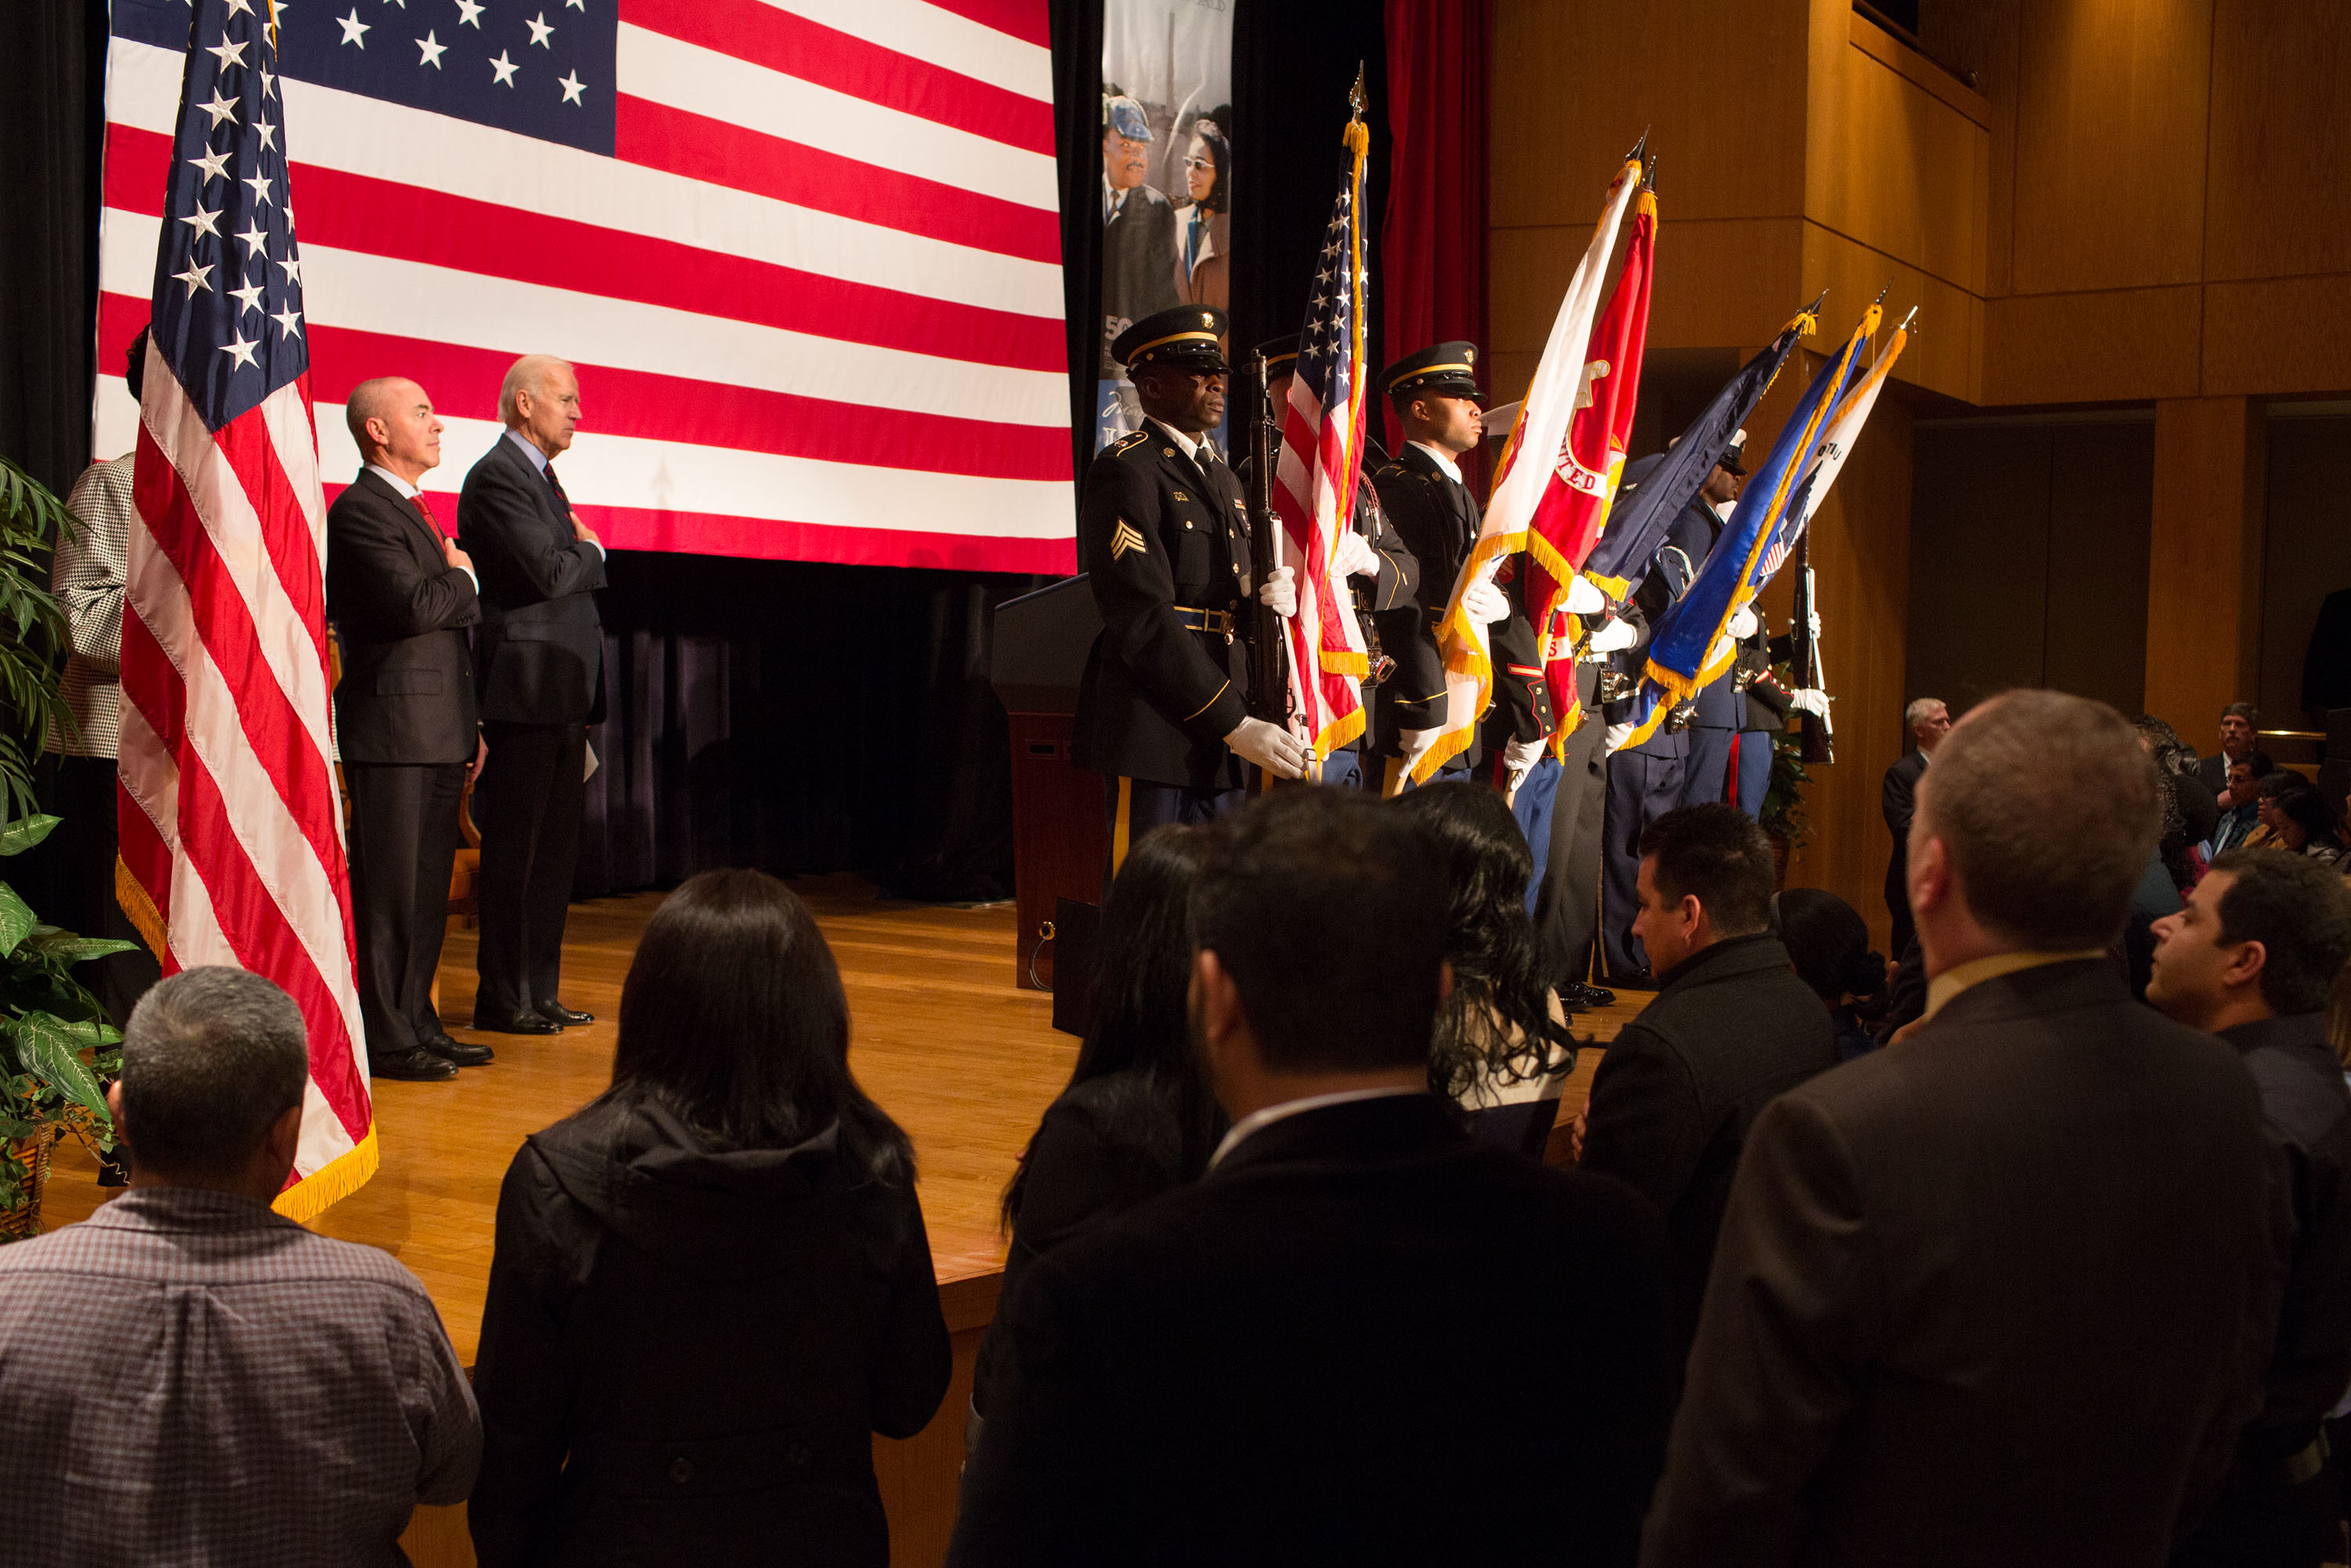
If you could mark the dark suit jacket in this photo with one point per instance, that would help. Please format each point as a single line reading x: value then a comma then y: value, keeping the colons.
x: 1662, y: 585
x: 542, y: 647
x: 1157, y: 532
x: 407, y: 690
x: 1996, y: 1293
x: 1364, y: 1338
x: 1897, y: 797
x: 1731, y: 1029
x: 1138, y: 263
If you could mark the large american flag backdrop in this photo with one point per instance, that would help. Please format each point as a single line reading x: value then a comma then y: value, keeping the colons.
x: 805, y: 253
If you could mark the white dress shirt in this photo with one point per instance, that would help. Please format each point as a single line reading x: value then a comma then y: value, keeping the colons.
x: 409, y: 492
x: 1258, y: 1121
x: 1443, y: 459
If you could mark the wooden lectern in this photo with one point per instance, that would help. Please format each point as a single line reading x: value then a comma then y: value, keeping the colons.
x: 1060, y: 831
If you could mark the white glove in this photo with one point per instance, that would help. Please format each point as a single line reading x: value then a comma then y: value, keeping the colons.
x: 1279, y: 594
x: 1416, y: 743
x: 1813, y: 625
x: 1743, y: 624
x: 1585, y: 598
x: 1811, y: 700
x: 1610, y: 638
x: 1354, y: 555
x: 1517, y: 758
x: 1485, y: 604
x: 1277, y: 751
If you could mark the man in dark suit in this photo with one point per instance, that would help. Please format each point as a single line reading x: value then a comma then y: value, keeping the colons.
x: 1929, y: 720
x: 2251, y: 959
x: 1731, y: 1029
x: 2000, y: 1292
x: 2237, y: 722
x: 402, y: 593
x: 1163, y: 534
x: 1291, y: 1360
x: 541, y: 671
x: 1138, y: 254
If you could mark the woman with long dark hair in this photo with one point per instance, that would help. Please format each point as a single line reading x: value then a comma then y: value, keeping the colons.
x: 1204, y: 231
x: 1501, y: 1037
x: 1138, y: 1119
x: 1828, y: 947
x: 711, y: 1286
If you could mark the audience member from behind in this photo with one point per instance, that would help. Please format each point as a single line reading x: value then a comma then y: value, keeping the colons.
x: 1268, y: 1367
x: 711, y: 1286
x: 2240, y: 802
x: 1138, y: 1119
x: 2252, y: 960
x: 195, y: 1379
x: 1732, y: 1027
x: 1828, y: 945
x: 2000, y: 1292
x: 2197, y: 803
x: 1503, y: 1043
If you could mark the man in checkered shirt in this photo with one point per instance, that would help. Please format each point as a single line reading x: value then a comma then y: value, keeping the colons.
x: 192, y: 1379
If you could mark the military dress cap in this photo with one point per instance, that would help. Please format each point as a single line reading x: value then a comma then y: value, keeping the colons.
x: 1733, y: 455
x: 1281, y: 355
x: 1125, y: 116
x: 1186, y: 336
x: 1447, y: 367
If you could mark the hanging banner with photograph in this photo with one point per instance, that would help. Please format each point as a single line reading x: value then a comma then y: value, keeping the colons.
x: 1166, y: 185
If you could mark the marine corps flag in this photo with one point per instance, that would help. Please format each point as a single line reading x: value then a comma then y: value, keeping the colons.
x: 1639, y: 523
x: 1575, y: 506
x: 1520, y: 485
x: 1688, y: 647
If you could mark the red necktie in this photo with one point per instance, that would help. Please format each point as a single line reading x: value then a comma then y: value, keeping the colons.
x: 557, y: 485
x: 430, y: 520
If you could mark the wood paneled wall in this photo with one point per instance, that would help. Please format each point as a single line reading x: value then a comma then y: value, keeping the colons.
x: 2306, y: 553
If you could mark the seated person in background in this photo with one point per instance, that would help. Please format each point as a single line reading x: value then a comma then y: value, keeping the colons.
x: 2252, y: 960
x: 711, y: 1286
x: 193, y: 1378
x: 2240, y: 802
x: 1268, y: 1367
x: 2197, y: 801
x: 2310, y: 822
x: 1137, y: 1118
x: 1732, y: 1027
x: 1828, y: 943
x: 2267, y: 793
x: 1502, y: 1044
x: 2000, y: 1292
x: 2238, y: 721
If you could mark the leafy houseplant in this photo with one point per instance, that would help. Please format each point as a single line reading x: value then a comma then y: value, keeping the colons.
x: 48, y: 1019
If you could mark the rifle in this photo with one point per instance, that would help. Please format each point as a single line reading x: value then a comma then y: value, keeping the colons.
x: 1268, y: 693
x: 1818, y: 743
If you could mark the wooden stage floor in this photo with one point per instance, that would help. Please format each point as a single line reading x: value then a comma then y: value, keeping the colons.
x: 941, y: 1036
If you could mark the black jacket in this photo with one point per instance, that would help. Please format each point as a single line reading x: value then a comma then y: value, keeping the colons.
x: 1362, y: 1338
x: 1898, y: 798
x: 1104, y: 1148
x: 1159, y: 532
x: 1138, y: 265
x: 1731, y: 1029
x: 406, y: 694
x: 1662, y: 585
x: 686, y: 1354
x: 1998, y: 1293
x: 542, y: 648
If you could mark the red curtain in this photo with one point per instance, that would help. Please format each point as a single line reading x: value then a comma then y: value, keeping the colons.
x: 1432, y: 242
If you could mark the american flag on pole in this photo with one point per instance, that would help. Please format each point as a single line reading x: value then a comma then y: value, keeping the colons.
x: 1318, y: 467
x: 805, y: 253
x: 230, y: 830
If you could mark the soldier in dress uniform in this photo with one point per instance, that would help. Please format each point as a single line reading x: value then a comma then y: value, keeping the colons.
x: 1383, y: 577
x: 1163, y: 534
x: 1436, y: 396
x: 1719, y: 711
x: 1646, y: 781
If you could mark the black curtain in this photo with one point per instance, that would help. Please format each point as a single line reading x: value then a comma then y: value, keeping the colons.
x: 1293, y: 61
x: 1077, y: 32
x: 51, y: 116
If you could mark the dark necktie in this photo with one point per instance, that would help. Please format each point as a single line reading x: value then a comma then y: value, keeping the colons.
x: 556, y: 485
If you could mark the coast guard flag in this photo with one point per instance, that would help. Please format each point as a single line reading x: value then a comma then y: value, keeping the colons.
x: 1520, y: 482
x: 1688, y: 647
x: 1828, y: 461
x: 1317, y: 470
x: 232, y: 836
x: 806, y: 255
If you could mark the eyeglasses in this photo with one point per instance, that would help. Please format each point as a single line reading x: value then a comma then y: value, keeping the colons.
x: 1199, y: 164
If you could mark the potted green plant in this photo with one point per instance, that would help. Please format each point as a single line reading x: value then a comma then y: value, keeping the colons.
x: 55, y: 1044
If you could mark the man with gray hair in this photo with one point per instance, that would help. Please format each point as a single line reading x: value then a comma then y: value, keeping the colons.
x: 195, y: 1379
x: 1927, y: 720
x: 2002, y: 1291
x: 540, y: 665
